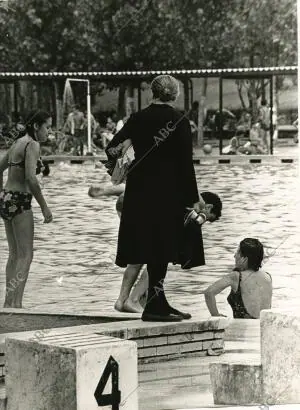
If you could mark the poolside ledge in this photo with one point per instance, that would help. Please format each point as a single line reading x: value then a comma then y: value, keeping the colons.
x: 155, y: 340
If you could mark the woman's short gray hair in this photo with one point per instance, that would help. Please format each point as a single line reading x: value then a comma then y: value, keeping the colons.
x: 165, y: 88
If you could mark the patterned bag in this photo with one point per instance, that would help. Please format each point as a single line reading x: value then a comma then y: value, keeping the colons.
x: 122, y: 166
x: 113, y: 154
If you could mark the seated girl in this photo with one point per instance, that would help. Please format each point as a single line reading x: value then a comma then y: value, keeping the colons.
x: 234, y: 147
x: 251, y: 287
x: 256, y: 142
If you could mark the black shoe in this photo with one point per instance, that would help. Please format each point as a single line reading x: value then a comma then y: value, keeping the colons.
x: 178, y: 313
x: 150, y: 317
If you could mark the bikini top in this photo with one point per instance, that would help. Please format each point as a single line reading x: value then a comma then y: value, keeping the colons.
x: 235, y: 300
x: 21, y: 164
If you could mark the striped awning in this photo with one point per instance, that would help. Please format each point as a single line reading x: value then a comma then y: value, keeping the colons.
x: 211, y: 72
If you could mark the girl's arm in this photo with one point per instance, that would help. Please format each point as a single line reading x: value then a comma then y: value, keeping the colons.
x: 32, y: 156
x: 3, y: 167
x: 125, y: 145
x: 216, y: 288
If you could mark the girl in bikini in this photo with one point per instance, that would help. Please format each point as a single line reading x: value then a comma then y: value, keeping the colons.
x: 23, y: 163
x: 251, y: 287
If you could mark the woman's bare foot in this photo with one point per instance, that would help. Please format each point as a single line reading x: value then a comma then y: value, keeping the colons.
x: 132, y: 307
x: 119, y: 306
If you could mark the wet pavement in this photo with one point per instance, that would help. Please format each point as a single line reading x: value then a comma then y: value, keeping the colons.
x: 73, y: 265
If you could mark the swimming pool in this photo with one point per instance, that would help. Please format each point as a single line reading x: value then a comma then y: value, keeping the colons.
x: 73, y: 263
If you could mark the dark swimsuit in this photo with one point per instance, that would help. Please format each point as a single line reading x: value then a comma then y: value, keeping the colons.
x: 13, y: 203
x: 236, y: 302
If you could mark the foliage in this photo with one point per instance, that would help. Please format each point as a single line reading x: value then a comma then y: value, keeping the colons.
x: 88, y: 35
x: 267, y: 36
x: 48, y: 36
x: 266, y: 32
x: 143, y: 34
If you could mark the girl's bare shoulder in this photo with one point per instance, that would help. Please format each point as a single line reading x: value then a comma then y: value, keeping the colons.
x: 234, y: 275
x: 265, y: 276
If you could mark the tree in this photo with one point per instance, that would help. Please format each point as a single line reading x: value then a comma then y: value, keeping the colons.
x: 199, y: 39
x: 88, y: 35
x: 267, y: 36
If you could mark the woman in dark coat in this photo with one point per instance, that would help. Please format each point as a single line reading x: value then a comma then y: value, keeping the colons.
x: 160, y: 184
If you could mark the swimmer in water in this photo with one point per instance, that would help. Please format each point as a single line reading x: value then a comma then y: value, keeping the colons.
x: 96, y: 191
x: 251, y: 287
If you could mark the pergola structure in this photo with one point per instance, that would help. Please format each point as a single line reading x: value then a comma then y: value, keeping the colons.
x: 139, y: 76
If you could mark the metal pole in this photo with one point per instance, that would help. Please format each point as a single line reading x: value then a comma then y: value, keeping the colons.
x: 139, y: 97
x: 89, y: 130
x: 88, y: 109
x: 221, y: 114
x: 16, y: 105
x: 271, y: 115
x: 186, y: 94
x: 192, y: 91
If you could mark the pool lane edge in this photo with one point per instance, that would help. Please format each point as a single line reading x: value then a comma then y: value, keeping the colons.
x: 197, y: 159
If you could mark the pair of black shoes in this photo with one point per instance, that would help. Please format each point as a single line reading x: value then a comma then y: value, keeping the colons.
x: 172, y: 315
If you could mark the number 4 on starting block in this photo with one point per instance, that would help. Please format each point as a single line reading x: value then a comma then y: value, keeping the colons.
x: 76, y: 386
x: 113, y: 399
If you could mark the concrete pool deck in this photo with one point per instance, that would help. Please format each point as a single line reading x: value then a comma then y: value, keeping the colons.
x: 184, y: 383
x: 156, y: 340
x: 12, y: 320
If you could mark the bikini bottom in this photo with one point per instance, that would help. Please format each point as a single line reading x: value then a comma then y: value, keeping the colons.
x: 13, y: 203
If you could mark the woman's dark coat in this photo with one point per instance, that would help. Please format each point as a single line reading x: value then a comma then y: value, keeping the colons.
x: 160, y: 183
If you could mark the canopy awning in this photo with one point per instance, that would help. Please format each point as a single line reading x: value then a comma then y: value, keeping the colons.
x: 213, y: 72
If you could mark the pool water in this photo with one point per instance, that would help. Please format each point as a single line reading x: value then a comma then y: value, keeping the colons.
x: 73, y: 265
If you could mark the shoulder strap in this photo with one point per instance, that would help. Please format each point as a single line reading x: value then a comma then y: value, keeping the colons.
x: 240, y: 278
x: 26, y: 147
x: 239, y: 272
x: 269, y: 275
